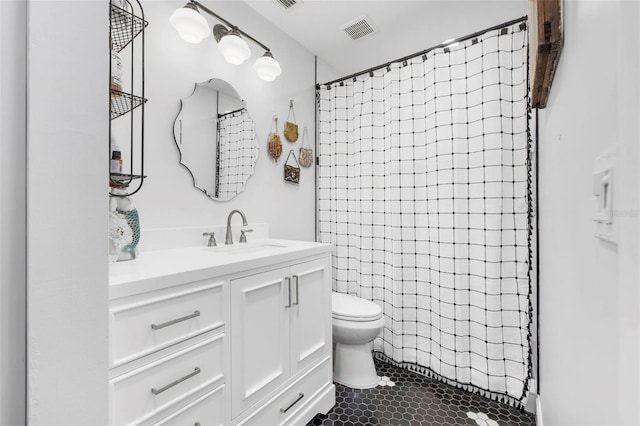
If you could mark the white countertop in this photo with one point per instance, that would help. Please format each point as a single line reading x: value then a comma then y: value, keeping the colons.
x: 163, y: 268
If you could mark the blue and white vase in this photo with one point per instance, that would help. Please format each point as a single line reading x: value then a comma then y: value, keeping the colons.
x: 124, y: 228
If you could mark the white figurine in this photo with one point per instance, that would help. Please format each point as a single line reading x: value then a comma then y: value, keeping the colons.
x: 120, y: 233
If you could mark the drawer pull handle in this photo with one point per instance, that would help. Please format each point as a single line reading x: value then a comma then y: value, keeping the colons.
x: 297, y: 278
x: 196, y: 424
x: 175, y: 321
x: 300, y: 396
x: 288, y: 285
x: 172, y: 384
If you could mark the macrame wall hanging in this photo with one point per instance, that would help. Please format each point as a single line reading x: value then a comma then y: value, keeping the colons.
x: 275, y: 144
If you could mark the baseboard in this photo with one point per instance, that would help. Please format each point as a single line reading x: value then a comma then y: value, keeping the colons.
x: 538, y: 412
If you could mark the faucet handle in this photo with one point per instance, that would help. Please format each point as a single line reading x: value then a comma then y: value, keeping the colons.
x: 243, y: 237
x: 212, y: 238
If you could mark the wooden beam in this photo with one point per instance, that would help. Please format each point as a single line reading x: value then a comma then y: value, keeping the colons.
x: 545, y: 44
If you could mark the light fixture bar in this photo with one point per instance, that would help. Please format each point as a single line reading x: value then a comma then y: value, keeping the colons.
x: 224, y: 21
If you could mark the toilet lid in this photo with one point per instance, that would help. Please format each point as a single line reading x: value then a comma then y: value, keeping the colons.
x: 354, y: 308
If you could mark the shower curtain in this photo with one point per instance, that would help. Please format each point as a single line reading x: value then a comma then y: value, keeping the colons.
x: 424, y: 189
x: 235, y: 152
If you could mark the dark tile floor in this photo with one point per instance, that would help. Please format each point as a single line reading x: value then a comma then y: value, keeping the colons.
x: 417, y: 400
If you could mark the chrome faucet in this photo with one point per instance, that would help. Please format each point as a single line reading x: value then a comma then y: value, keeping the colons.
x: 212, y: 238
x: 243, y: 235
x: 228, y: 239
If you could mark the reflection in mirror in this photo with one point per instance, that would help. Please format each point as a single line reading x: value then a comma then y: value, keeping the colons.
x: 216, y: 138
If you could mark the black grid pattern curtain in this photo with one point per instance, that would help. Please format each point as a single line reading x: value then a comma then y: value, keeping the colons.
x: 424, y: 189
x: 235, y: 153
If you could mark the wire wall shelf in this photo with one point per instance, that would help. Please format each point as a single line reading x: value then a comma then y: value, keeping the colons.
x: 123, y: 179
x: 127, y: 30
x: 122, y: 103
x: 125, y: 26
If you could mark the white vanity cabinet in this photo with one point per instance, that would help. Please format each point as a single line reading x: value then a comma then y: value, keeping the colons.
x: 225, y: 341
x: 280, y: 328
x: 167, y: 351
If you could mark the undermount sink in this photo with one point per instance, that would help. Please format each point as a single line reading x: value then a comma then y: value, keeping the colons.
x: 249, y: 248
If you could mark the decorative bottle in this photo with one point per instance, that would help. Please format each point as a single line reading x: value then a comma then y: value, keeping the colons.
x: 116, y: 158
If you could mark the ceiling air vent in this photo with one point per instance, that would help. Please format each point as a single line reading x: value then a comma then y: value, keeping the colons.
x: 288, y: 4
x: 358, y: 28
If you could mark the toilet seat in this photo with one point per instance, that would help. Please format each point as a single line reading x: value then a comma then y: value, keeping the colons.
x: 351, y: 308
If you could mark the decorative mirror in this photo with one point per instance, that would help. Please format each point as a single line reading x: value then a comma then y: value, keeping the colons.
x: 216, y: 138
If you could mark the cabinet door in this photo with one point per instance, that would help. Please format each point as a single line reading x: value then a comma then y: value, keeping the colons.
x: 259, y: 336
x: 311, y: 312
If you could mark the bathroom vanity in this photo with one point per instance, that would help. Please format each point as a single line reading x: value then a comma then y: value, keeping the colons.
x: 227, y: 335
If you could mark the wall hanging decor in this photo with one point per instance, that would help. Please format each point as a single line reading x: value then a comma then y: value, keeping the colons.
x: 292, y: 173
x: 275, y: 144
x: 291, y: 128
x: 306, y: 153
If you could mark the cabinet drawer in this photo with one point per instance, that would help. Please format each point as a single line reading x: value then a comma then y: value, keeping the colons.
x: 138, y: 329
x: 207, y: 410
x: 282, y: 407
x: 142, y: 393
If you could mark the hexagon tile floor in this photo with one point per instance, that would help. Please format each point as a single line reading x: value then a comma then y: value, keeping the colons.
x: 405, y: 398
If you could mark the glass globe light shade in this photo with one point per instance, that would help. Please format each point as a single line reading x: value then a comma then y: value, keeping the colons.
x: 267, y: 67
x: 234, y: 49
x: 190, y: 24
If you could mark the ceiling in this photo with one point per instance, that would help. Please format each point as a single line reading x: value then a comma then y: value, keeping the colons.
x: 401, y: 27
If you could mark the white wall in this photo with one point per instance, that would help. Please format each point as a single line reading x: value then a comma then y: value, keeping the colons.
x: 589, y: 289
x: 168, y: 198
x: 12, y: 211
x: 67, y: 174
x: 326, y: 72
x: 67, y: 145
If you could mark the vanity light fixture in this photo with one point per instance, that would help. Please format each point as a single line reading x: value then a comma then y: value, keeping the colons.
x: 233, y: 47
x: 193, y: 28
x: 267, y: 67
x: 190, y: 24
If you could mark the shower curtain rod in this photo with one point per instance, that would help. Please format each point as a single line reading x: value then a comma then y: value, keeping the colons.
x: 424, y: 52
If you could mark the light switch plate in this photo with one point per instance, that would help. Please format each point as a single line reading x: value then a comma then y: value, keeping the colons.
x: 603, y: 189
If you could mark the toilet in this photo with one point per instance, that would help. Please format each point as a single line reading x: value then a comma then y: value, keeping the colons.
x: 356, y: 323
